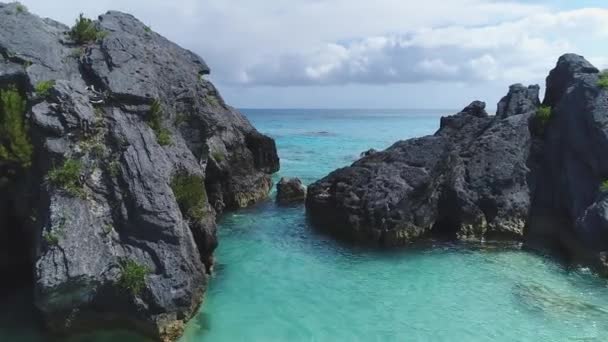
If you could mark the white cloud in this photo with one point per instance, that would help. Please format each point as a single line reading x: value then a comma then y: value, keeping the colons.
x: 235, y: 35
x: 518, y: 50
x: 250, y: 44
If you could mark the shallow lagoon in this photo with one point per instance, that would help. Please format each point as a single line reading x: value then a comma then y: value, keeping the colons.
x: 279, y: 280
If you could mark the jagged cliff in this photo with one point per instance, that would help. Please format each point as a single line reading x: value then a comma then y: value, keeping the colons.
x: 530, y: 173
x: 116, y: 155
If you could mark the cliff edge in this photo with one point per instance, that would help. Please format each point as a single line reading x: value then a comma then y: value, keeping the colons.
x: 116, y: 156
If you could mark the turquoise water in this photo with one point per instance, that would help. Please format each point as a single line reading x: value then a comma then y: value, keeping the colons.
x: 279, y: 280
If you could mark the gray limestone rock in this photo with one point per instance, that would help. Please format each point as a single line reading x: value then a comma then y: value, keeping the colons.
x: 111, y: 240
x: 290, y: 190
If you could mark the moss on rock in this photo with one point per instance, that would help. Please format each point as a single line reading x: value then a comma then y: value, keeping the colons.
x: 190, y: 193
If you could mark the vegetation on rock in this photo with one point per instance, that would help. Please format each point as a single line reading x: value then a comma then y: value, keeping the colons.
x: 15, y: 145
x: 604, y: 186
x: 21, y: 8
x: 543, y: 115
x: 218, y: 156
x: 107, y: 229
x: 94, y: 145
x: 51, y: 238
x: 43, y: 88
x: 85, y: 31
x: 114, y: 168
x: 68, y: 177
x: 212, y: 100
x: 133, y: 276
x: 190, y: 193
x: 163, y: 135
x: 603, y: 81
x: 180, y: 118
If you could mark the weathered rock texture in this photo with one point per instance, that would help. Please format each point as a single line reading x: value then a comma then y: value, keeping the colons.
x: 468, y: 180
x: 570, y: 208
x: 504, y: 176
x: 100, y: 113
x: 290, y: 190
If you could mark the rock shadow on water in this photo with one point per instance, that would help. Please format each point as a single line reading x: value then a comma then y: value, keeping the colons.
x: 19, y: 319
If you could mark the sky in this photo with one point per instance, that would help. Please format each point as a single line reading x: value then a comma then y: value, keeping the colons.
x: 439, y: 54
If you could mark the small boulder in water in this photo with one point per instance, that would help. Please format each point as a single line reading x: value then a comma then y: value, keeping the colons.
x: 290, y: 190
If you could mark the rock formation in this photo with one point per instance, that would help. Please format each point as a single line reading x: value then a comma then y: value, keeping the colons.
x: 531, y: 174
x: 290, y: 190
x: 116, y: 155
x: 570, y: 207
x: 468, y: 180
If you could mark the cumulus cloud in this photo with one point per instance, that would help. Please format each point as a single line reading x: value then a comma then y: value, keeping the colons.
x: 353, y: 49
x: 237, y: 37
x: 518, y: 50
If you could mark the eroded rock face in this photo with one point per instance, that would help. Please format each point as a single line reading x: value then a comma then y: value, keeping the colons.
x: 290, y: 190
x: 520, y: 99
x: 130, y: 113
x: 468, y: 180
x: 570, y: 205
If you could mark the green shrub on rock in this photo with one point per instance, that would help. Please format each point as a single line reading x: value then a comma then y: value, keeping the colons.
x: 68, y: 177
x: 604, y: 186
x: 114, y: 168
x: 133, y: 276
x: 543, y: 115
x: 15, y: 145
x: 85, y: 31
x: 163, y: 135
x: 21, y: 8
x: 43, y: 88
x: 190, y: 193
x: 603, y: 81
x: 51, y: 238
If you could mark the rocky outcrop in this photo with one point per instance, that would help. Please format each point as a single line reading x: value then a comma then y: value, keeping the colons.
x: 290, y: 190
x: 134, y: 153
x: 468, y: 180
x: 520, y: 99
x: 524, y: 175
x: 570, y: 203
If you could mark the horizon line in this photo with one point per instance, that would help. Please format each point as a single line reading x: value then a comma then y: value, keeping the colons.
x: 342, y: 108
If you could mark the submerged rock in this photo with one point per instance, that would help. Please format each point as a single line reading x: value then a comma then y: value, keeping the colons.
x: 133, y: 156
x: 290, y: 190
